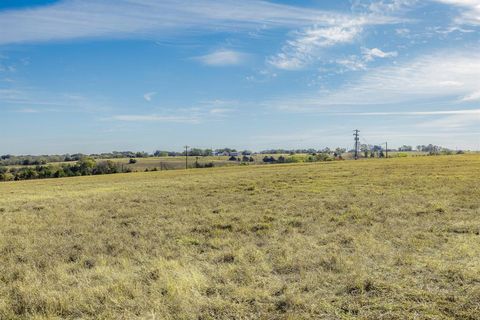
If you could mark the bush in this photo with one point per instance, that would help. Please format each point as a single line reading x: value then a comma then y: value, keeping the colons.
x: 132, y: 161
x: 7, y: 176
x: 268, y: 159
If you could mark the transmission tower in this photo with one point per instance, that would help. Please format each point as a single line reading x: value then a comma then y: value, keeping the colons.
x: 357, y: 144
x: 186, y: 156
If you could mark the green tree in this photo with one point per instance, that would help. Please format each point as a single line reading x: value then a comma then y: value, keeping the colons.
x: 86, y: 166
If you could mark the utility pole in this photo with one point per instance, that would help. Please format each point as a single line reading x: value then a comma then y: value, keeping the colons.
x: 357, y: 139
x: 386, y: 149
x: 186, y: 157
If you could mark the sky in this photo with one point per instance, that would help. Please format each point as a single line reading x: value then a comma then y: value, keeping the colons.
x: 101, y: 75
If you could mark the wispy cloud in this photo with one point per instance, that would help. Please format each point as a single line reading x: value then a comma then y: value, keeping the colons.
x: 200, y: 112
x: 299, y: 52
x: 460, y: 120
x: 220, y: 111
x: 413, y: 113
x: 223, y: 57
x: 352, y: 63
x: 447, y: 75
x: 371, y: 54
x: 470, y: 10
x: 474, y: 96
x: 154, y: 118
x: 307, y: 44
x: 438, y: 119
x: 389, y: 6
x: 149, y: 96
x: 28, y: 100
x: 72, y: 19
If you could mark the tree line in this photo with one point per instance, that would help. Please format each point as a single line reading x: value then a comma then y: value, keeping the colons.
x: 83, y: 167
x: 29, y: 160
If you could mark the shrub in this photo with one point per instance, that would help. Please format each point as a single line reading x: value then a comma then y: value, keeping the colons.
x: 132, y: 161
x: 268, y: 159
x: 6, y: 176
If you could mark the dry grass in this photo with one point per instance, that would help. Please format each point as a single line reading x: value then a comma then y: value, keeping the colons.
x: 374, y: 239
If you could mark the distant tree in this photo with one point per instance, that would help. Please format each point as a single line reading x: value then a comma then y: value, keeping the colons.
x: 340, y: 151
x: 406, y: 148
x: 141, y: 154
x: 227, y: 150
x: 159, y: 153
x: 365, y: 149
x: 268, y: 159
x: 86, y: 166
x: 195, y: 152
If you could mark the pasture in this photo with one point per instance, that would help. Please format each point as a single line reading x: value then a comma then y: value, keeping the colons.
x: 371, y: 239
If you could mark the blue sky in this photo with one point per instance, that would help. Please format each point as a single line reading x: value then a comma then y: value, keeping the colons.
x: 97, y: 75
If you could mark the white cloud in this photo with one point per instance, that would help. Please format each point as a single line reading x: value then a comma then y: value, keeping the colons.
x: 474, y: 96
x: 223, y: 58
x: 371, y: 54
x: 471, y: 10
x: 72, y: 19
x: 308, y: 43
x: 299, y: 52
x: 391, y: 6
x: 449, y: 76
x: 450, y: 83
x: 220, y: 111
x: 474, y: 112
x: 352, y: 63
x: 403, y: 32
x: 149, y: 96
x: 154, y: 118
x: 455, y: 121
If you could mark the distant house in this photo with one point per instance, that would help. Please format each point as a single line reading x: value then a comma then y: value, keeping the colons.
x: 220, y: 154
x: 226, y: 154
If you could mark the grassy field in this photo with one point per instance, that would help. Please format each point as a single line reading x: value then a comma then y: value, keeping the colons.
x: 371, y: 239
x: 165, y: 163
x: 178, y: 162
